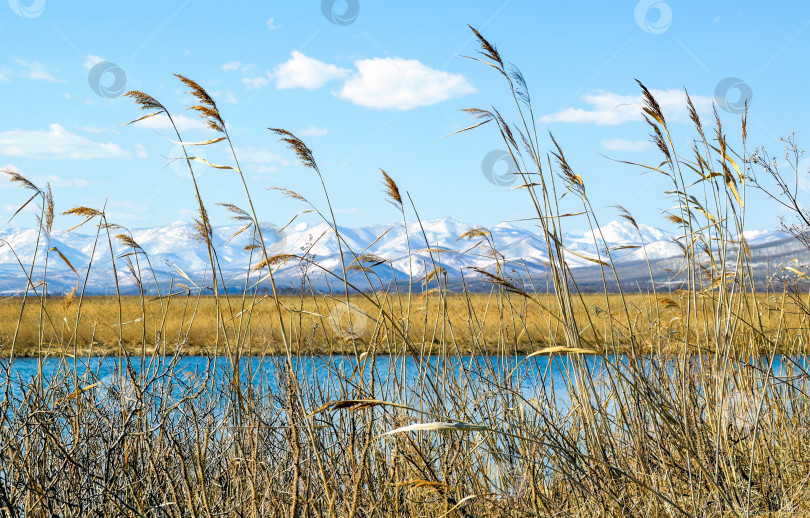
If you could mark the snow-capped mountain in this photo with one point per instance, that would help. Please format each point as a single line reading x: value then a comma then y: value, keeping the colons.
x: 171, y: 253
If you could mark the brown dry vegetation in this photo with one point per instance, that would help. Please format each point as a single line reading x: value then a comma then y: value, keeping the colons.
x: 480, y: 324
x: 700, y: 417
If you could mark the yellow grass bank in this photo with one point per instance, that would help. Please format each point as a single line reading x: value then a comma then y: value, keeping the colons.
x: 470, y: 324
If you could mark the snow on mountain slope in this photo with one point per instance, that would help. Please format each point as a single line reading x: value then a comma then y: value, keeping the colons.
x: 757, y: 237
x: 172, y: 248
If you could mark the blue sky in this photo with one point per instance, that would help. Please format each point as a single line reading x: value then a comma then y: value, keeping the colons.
x: 378, y: 89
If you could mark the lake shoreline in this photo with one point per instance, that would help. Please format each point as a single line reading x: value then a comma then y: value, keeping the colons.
x: 448, y: 350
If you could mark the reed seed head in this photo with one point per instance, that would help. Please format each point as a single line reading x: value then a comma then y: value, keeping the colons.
x: 391, y: 189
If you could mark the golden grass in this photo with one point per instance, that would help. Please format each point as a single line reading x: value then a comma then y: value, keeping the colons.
x: 471, y: 324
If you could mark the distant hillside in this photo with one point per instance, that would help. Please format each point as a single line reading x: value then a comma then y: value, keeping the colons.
x: 172, y: 250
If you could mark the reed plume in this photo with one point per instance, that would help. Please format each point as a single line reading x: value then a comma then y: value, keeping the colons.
x: 391, y: 190
x: 207, y: 109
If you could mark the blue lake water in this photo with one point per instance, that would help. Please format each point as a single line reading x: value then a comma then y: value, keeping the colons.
x: 335, y: 376
x: 339, y: 377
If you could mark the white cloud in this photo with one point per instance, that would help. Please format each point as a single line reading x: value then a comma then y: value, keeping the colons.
x: 254, y: 83
x: 255, y: 156
x: 238, y: 66
x: 302, y: 71
x: 264, y: 169
x: 4, y: 183
x: 93, y: 129
x: 3, y: 77
x: 401, y: 84
x: 262, y: 161
x: 57, y: 143
x: 183, y: 122
x: 312, y: 131
x: 226, y: 96
x: 617, y: 144
x: 58, y: 181
x: 41, y: 180
x: 608, y: 108
x: 140, y: 151
x: 36, y: 70
x: 231, y: 66
x: 90, y: 61
x: 271, y: 24
x: 11, y: 209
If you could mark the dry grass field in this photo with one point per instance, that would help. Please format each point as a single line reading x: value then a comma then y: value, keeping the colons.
x: 495, y: 323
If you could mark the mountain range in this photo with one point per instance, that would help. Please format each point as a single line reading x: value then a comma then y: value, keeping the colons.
x: 176, y: 256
